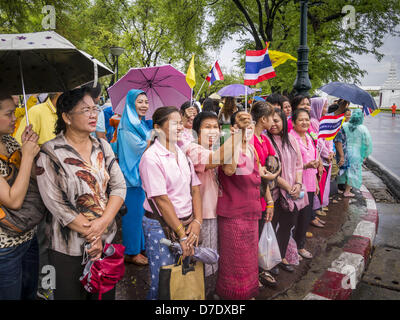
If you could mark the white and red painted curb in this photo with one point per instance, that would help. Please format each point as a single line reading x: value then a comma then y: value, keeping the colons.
x: 338, y: 282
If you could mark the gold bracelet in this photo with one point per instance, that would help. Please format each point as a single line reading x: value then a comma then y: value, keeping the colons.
x: 179, y: 228
x: 181, y: 234
x: 270, y: 206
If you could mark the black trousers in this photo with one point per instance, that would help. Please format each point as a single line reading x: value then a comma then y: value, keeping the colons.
x: 283, y: 222
x: 303, y: 221
x: 68, y: 271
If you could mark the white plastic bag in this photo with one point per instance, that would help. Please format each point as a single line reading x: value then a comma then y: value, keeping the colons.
x: 268, y: 250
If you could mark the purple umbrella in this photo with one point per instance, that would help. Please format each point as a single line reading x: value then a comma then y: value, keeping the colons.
x: 235, y: 90
x: 164, y: 86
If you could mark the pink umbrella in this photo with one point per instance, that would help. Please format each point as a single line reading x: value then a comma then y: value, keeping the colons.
x: 164, y: 86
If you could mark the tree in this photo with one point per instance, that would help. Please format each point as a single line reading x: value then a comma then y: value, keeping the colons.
x: 331, y: 46
x: 153, y: 32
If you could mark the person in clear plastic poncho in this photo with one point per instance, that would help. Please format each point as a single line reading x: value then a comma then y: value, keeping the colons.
x: 359, y: 147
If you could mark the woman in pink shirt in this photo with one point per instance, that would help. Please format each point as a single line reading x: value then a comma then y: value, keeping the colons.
x: 173, y: 204
x: 262, y: 113
x: 288, y: 195
x: 239, y: 209
x: 319, y: 108
x: 206, y: 161
x: 301, y: 125
x: 298, y: 102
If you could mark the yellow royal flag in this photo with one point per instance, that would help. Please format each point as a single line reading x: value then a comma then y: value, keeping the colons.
x: 277, y: 57
x: 375, y: 112
x: 190, y: 74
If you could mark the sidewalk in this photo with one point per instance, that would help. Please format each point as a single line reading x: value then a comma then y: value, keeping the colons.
x: 381, y: 280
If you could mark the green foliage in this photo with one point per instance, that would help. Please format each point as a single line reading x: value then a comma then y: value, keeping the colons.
x: 331, y: 46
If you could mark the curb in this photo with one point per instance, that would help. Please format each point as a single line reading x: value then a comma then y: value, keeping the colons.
x: 391, y: 180
x: 339, y: 281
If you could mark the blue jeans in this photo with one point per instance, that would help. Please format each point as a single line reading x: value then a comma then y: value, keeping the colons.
x: 19, y: 271
x: 158, y: 254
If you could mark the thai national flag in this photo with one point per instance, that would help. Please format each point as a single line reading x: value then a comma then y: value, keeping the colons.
x: 258, y: 66
x: 367, y: 111
x: 215, y: 74
x: 329, y: 126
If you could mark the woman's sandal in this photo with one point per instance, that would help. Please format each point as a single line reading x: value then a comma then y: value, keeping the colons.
x: 320, y: 213
x: 306, y: 254
x: 267, y: 279
x: 349, y: 195
x: 316, y: 224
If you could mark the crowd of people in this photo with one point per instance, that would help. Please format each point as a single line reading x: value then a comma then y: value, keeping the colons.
x: 205, y: 174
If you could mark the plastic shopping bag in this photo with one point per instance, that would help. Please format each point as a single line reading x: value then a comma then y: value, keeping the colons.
x: 292, y: 256
x: 268, y: 250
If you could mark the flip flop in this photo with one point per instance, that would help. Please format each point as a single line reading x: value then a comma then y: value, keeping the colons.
x: 306, y: 255
x: 349, y: 195
x: 320, y: 213
x: 321, y: 221
x: 317, y: 224
x: 266, y: 279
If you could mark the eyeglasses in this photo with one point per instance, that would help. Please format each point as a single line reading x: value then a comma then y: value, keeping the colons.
x: 88, y: 111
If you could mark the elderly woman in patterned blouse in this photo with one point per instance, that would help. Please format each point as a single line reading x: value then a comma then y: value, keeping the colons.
x: 19, y: 255
x: 73, y: 180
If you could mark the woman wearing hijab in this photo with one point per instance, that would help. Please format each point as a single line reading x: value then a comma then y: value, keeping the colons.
x: 359, y: 147
x: 133, y: 134
x: 319, y: 108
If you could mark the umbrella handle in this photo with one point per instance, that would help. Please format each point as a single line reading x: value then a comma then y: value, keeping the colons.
x: 23, y: 89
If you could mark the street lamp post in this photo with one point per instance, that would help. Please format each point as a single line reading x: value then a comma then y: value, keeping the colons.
x: 302, y: 83
x: 116, y: 52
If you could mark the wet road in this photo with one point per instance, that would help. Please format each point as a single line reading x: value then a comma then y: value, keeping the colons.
x: 385, y: 132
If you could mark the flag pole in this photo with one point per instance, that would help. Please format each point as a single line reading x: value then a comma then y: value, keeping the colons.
x: 200, y: 90
x: 245, y: 98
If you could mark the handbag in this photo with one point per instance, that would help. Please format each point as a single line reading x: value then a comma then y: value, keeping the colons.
x: 182, y: 281
x: 123, y: 210
x: 102, y: 275
x: 33, y: 210
x: 268, y: 250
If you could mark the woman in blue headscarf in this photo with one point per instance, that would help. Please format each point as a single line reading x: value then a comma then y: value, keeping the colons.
x: 359, y: 147
x: 133, y: 135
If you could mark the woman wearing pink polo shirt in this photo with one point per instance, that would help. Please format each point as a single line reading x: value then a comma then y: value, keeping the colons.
x: 173, y: 204
x: 239, y: 209
x: 301, y: 124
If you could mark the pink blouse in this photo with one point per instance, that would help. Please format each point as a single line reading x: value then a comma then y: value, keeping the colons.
x: 291, y: 163
x: 240, y: 197
x: 162, y: 174
x: 308, y: 153
x: 209, y: 186
x: 186, y: 138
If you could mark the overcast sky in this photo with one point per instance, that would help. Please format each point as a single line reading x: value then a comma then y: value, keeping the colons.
x: 377, y: 71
